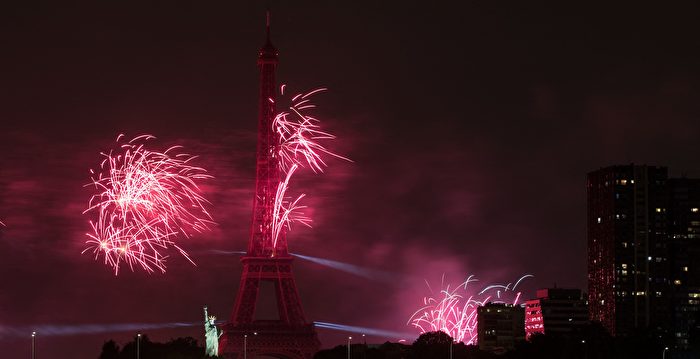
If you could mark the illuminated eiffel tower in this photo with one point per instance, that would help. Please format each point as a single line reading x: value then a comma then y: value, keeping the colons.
x: 290, y: 336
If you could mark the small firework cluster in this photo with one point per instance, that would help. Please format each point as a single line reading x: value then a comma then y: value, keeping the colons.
x: 299, y: 135
x: 144, y: 201
x: 454, y: 310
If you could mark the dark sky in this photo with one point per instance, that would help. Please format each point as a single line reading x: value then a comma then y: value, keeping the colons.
x: 471, y: 127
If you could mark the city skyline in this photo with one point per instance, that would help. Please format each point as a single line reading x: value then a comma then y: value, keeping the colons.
x: 471, y: 127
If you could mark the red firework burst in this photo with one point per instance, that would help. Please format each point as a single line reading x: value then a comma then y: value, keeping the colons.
x: 145, y: 200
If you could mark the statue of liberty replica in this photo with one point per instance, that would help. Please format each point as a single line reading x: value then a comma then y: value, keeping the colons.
x: 212, y: 334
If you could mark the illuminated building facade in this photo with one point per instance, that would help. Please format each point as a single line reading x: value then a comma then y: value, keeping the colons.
x: 500, y: 326
x: 628, y: 261
x: 684, y: 232
x: 267, y: 264
x: 556, y: 311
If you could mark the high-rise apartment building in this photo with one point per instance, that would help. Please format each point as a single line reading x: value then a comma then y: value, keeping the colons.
x: 684, y: 242
x: 628, y: 262
x: 644, y: 251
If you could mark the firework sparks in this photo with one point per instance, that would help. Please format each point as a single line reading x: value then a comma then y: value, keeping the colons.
x: 145, y: 200
x: 299, y: 143
x: 300, y: 135
x: 454, y: 310
x: 285, y: 211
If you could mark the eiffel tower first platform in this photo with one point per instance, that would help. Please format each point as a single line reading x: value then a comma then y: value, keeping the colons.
x: 290, y: 336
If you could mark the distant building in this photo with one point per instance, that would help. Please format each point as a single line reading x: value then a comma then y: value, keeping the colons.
x: 644, y: 251
x: 500, y: 326
x: 684, y: 233
x: 556, y: 311
x: 627, y: 248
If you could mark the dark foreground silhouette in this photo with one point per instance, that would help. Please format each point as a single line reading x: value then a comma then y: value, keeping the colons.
x: 592, y: 342
x: 180, y: 348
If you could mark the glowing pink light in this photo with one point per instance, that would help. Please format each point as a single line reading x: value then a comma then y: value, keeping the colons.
x: 454, y: 311
x: 300, y: 135
x: 299, y: 143
x: 145, y: 200
x: 285, y: 211
x: 121, y: 241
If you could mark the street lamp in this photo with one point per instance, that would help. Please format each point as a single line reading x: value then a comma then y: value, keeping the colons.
x: 349, y: 339
x: 245, y: 345
x: 33, y: 345
x: 364, y: 349
x: 138, y: 346
x: 663, y: 354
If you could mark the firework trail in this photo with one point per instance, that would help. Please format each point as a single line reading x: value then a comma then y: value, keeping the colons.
x: 145, y: 200
x: 299, y: 135
x: 454, y: 311
x: 285, y: 211
x: 299, y: 144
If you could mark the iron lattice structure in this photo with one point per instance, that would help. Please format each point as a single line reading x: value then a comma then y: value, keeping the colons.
x: 290, y: 336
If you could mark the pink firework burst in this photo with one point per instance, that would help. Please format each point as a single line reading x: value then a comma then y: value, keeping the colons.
x: 300, y: 143
x: 300, y: 135
x: 145, y: 200
x: 453, y: 311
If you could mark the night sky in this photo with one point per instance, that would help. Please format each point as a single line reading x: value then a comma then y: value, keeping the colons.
x: 471, y: 126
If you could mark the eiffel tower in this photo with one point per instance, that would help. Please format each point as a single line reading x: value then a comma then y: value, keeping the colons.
x: 290, y: 336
